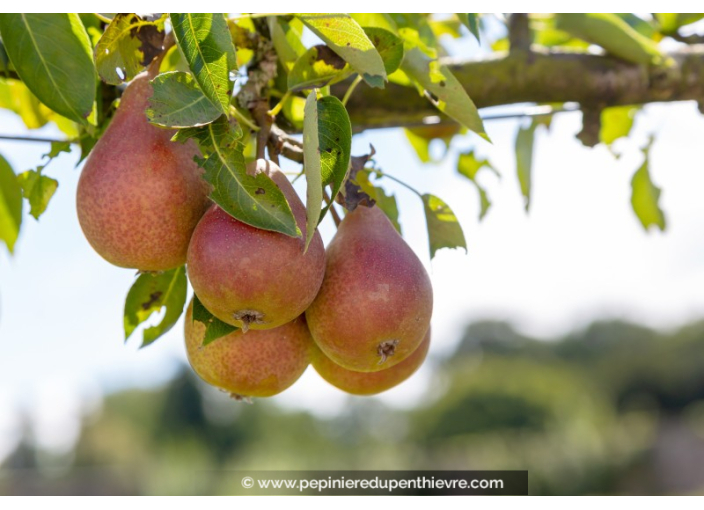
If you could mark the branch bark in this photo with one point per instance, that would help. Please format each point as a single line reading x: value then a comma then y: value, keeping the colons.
x: 537, y: 76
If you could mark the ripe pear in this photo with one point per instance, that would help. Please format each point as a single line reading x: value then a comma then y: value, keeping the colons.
x: 253, y: 278
x: 140, y: 195
x: 369, y: 383
x: 258, y: 364
x: 374, y: 307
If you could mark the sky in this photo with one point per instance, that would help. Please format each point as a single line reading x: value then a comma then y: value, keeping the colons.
x: 578, y: 255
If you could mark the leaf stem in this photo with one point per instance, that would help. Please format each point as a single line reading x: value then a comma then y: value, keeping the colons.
x: 351, y: 88
x: 399, y: 181
x: 102, y: 18
x: 276, y: 109
x: 236, y: 113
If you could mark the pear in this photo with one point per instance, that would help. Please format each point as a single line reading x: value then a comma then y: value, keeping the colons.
x: 258, y: 364
x: 374, y: 307
x: 253, y: 278
x: 140, y: 195
x: 369, y: 383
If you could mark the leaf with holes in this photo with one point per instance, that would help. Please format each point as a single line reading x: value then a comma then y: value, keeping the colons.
x: 52, y: 55
x: 645, y: 196
x: 317, y: 67
x: 214, y: 327
x: 128, y: 44
x: 444, y: 230
x: 346, y: 38
x: 178, y: 102
x: 10, y: 205
x: 37, y: 189
x: 149, y: 293
x: 446, y: 92
x: 253, y: 199
x: 207, y: 45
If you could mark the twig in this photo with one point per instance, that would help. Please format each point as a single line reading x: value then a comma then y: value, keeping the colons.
x: 353, y: 86
x: 333, y: 212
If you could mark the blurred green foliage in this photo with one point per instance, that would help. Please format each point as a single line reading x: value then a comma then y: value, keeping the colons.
x: 613, y: 408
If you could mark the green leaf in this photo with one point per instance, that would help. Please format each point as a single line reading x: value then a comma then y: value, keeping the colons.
x: 346, y: 38
x: 389, y: 46
x: 10, y: 205
x: 611, y: 33
x: 469, y: 165
x: 253, y: 199
x: 312, y: 166
x: 645, y: 196
x: 471, y: 21
x: 327, y: 146
x: 149, y: 293
x: 375, y: 20
x: 207, y: 45
x: 129, y: 43
x: 52, y: 54
x: 524, y: 160
x: 178, y: 102
x: 447, y: 94
x: 286, y: 36
x: 420, y: 144
x: 317, y: 67
x: 444, y: 231
x: 616, y: 122
x: 57, y: 148
x: 38, y: 189
x: 214, y: 327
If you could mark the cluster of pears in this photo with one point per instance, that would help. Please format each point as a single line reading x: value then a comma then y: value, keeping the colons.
x: 359, y: 312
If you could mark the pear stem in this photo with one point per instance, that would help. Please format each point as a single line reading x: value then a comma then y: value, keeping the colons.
x: 333, y: 211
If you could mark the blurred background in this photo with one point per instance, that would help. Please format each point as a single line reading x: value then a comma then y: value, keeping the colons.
x: 568, y: 341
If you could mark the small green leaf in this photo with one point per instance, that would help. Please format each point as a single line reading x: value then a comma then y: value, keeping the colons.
x: 524, y: 160
x: 207, y: 45
x: 16, y: 97
x: 387, y: 203
x: 317, y: 67
x: 38, y: 189
x: 52, y: 55
x: 151, y: 292
x: 420, y: 144
x: 327, y: 148
x: 346, y: 38
x: 10, y: 205
x: 286, y: 36
x: 616, y: 122
x: 178, y: 102
x: 214, y: 327
x: 312, y: 166
x: 471, y: 21
x: 447, y: 95
x: 389, y: 46
x: 469, y: 165
x: 129, y: 43
x: 444, y: 231
x: 645, y: 196
x: 253, y: 199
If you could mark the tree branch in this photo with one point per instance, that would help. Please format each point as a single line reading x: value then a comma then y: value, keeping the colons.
x: 538, y: 76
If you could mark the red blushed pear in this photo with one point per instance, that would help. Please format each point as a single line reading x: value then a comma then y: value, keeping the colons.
x: 258, y: 364
x: 253, y: 278
x: 140, y: 195
x: 374, y: 307
x: 369, y: 383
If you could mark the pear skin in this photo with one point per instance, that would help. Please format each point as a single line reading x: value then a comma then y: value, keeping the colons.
x: 253, y: 278
x: 140, y: 195
x: 256, y: 364
x: 369, y: 383
x: 374, y: 307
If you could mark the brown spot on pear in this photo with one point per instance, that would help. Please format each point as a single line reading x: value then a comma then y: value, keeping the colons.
x: 375, y: 304
x: 258, y: 364
x: 369, y: 383
x: 253, y: 278
x: 140, y: 195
